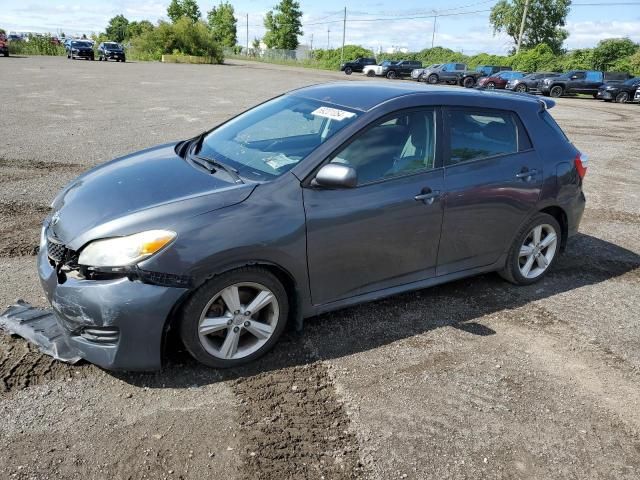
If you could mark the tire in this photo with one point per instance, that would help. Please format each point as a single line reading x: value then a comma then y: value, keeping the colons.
x: 622, y: 97
x: 348, y: 71
x: 432, y: 79
x: 491, y: 86
x: 516, y: 263
x: 124, y: 59
x: 522, y: 88
x: 211, y: 348
x: 556, y: 91
x: 371, y: 73
x: 468, y: 82
x: 92, y: 58
x: 392, y: 75
x: 595, y: 95
x: 421, y: 78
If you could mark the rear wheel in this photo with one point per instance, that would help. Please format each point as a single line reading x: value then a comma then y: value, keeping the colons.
x: 622, y: 97
x: 234, y: 318
x: 348, y: 71
x: 491, y: 86
x: 522, y: 88
x: 371, y: 73
x: 391, y: 75
x: 533, y: 251
x: 556, y: 91
x: 432, y: 79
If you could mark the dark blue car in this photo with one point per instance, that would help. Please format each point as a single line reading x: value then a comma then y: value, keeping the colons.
x: 325, y: 197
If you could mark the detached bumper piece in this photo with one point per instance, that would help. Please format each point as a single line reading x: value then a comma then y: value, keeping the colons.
x: 38, y: 327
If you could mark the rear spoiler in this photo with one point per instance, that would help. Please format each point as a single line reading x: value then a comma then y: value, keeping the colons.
x: 546, y: 103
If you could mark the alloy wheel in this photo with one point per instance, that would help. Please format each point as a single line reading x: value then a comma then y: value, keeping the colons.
x: 556, y: 91
x: 622, y: 97
x: 491, y: 86
x: 238, y: 320
x: 537, y: 251
x: 521, y: 88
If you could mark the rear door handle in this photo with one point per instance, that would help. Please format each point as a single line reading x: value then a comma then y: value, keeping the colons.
x: 428, y: 196
x: 526, y: 174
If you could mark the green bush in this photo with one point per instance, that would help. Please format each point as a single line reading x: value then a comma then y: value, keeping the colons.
x: 37, y: 45
x: 330, y: 59
x: 183, y: 37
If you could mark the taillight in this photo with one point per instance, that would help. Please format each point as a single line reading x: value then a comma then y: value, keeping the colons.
x: 581, y: 161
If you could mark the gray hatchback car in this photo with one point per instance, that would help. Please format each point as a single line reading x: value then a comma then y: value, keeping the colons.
x: 324, y: 197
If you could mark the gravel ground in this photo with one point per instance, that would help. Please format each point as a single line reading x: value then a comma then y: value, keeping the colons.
x: 474, y: 379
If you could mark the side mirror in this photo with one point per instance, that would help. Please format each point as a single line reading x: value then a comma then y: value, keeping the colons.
x: 335, y: 175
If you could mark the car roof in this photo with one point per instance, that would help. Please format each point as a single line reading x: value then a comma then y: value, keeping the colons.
x: 366, y: 95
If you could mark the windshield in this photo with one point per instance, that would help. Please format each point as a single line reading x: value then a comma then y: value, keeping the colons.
x: 112, y: 46
x: 270, y: 139
x: 485, y: 70
x: 80, y: 44
x: 386, y: 63
x: 632, y: 81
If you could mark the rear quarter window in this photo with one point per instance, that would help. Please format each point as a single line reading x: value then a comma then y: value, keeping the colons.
x: 549, y: 120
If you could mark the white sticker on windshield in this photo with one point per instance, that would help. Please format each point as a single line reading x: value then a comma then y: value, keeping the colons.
x: 332, y: 113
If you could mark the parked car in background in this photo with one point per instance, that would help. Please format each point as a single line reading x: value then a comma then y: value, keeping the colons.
x: 499, y: 80
x: 443, y: 73
x: 357, y: 65
x: 579, y: 81
x: 400, y: 69
x: 469, y: 79
x: 377, y: 70
x: 4, y: 45
x: 636, y: 98
x: 619, y: 92
x: 416, y: 73
x: 356, y: 201
x: 80, y: 49
x: 111, y: 51
x: 529, y: 83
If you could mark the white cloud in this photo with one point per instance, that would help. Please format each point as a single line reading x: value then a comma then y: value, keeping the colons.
x: 589, y: 33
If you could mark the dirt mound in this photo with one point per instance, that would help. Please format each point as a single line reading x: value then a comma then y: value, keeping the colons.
x: 294, y: 426
x: 20, y: 228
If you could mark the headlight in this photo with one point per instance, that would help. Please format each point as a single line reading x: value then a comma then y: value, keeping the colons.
x: 123, y: 251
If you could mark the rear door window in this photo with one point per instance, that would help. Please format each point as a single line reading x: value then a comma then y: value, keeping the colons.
x: 478, y: 134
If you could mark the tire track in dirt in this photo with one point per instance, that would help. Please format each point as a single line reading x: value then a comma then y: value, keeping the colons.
x: 20, y: 228
x: 22, y: 365
x: 294, y: 426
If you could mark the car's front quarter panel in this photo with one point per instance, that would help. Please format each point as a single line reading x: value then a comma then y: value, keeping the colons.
x: 267, y: 228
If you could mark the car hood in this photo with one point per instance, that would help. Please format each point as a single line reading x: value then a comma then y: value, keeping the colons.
x: 154, y: 188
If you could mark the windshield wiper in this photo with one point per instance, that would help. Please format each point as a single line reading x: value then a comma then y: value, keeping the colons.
x: 211, y: 164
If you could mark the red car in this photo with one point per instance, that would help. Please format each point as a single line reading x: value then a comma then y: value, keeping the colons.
x: 4, y: 45
x: 499, y: 80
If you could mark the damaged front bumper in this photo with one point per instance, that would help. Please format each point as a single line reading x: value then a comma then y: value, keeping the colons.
x: 117, y: 324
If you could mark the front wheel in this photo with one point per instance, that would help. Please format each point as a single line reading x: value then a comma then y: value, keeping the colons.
x: 556, y: 91
x: 348, y: 71
x: 521, y: 88
x: 491, y: 86
x: 533, y: 251
x: 468, y: 82
x: 235, y: 317
x: 432, y: 79
x: 371, y: 73
x: 622, y: 97
x: 391, y: 75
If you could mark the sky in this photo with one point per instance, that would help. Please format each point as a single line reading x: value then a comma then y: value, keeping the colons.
x: 467, y: 32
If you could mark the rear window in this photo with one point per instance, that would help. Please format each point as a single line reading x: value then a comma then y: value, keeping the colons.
x: 546, y: 116
x: 479, y: 134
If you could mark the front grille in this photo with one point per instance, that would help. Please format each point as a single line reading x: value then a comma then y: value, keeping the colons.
x: 56, y: 250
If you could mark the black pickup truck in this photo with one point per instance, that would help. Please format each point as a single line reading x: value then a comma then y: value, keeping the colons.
x: 356, y: 65
x: 579, y: 81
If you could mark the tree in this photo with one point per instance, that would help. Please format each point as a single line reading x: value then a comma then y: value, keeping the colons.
x: 136, y: 29
x: 283, y: 25
x: 544, y: 22
x: 183, y: 8
x: 610, y: 51
x: 223, y: 23
x: 117, y: 28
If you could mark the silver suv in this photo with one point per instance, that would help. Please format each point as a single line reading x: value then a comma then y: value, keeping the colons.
x: 444, y: 73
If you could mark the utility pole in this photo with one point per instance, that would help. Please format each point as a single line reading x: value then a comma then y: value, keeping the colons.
x: 247, y: 34
x: 344, y: 31
x: 311, y: 46
x: 435, y: 19
x: 524, y: 18
x: 328, y: 37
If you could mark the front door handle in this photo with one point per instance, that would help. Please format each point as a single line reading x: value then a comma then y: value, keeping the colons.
x: 427, y: 196
x: 526, y: 174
